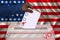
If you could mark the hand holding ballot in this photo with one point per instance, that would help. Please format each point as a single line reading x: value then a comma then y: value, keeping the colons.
x: 26, y: 6
x: 30, y: 20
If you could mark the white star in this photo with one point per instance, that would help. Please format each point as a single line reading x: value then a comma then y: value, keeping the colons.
x: 6, y: 2
x: 2, y: 1
x: 2, y: 18
x: 17, y: 14
x: 23, y: 2
x: 14, y: 1
x: 21, y: 14
x: 18, y: 1
x: 6, y: 19
x: 18, y: 18
x: 14, y: 19
x: 10, y: 1
x: 10, y: 19
x: 12, y: 15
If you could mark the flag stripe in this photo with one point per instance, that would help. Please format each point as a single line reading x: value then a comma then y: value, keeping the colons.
x: 3, y: 26
x: 45, y: 3
x: 50, y: 13
x: 2, y: 36
x: 42, y: 0
x: 46, y: 7
x: 50, y: 16
x: 57, y: 38
x: 48, y: 10
x: 57, y: 29
x: 56, y: 26
x: 2, y: 39
x: 50, y: 20
x: 57, y: 32
x: 3, y: 32
x: 3, y: 29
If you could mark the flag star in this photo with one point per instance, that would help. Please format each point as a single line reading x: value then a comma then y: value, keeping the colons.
x: 10, y: 1
x: 2, y: 1
x: 6, y: 19
x: 17, y: 14
x: 6, y: 1
x: 2, y: 18
x: 18, y: 1
x: 18, y: 18
x: 21, y: 14
x: 12, y: 15
x: 14, y: 19
x: 14, y: 1
x: 23, y: 2
x: 10, y: 19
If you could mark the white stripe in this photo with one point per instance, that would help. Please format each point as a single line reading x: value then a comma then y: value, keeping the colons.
x: 3, y: 23
x: 50, y: 16
x: 2, y: 35
x: 3, y: 29
x: 57, y: 29
x: 45, y: 3
x: 57, y: 23
x: 43, y: 23
x: 48, y: 10
x: 57, y: 36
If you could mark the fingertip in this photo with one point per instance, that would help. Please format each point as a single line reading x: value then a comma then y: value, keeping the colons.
x: 31, y: 11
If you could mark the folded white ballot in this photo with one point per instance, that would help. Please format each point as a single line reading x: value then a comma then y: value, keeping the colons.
x: 30, y: 19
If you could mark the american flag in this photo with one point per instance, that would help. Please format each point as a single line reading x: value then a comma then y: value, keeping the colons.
x: 50, y: 12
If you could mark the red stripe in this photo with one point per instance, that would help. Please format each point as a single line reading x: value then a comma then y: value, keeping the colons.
x: 42, y: 0
x: 56, y: 26
x: 50, y: 13
x: 3, y: 26
x: 46, y: 7
x: 57, y: 32
x: 50, y: 20
x: 3, y: 32
x: 2, y: 39
x: 57, y: 38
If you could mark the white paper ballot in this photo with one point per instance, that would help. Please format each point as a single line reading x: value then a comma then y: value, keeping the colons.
x: 31, y: 19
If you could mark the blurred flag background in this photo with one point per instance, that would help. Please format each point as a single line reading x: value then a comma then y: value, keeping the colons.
x: 50, y: 12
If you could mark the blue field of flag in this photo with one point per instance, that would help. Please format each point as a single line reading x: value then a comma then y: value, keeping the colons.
x: 10, y: 10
